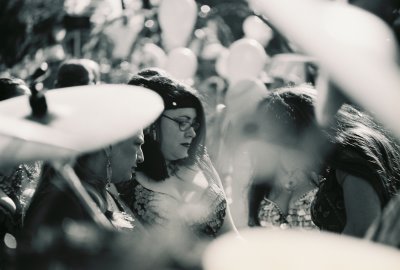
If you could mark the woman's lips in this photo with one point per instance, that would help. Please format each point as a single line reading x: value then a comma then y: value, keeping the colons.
x: 187, y: 145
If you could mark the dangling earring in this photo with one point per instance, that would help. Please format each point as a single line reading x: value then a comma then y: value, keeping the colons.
x: 153, y: 133
x: 108, y: 168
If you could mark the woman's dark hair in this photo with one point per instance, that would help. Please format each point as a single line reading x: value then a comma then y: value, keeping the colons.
x: 75, y: 72
x: 9, y: 88
x: 370, y: 149
x: 175, y: 95
x: 354, y: 138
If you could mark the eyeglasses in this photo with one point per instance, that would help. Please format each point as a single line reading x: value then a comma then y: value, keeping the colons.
x: 184, y: 125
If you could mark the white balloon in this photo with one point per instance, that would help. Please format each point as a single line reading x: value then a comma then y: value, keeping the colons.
x: 123, y: 35
x: 246, y: 60
x: 248, y: 92
x: 154, y: 55
x: 221, y: 65
x: 255, y: 28
x: 212, y: 51
x: 177, y: 19
x: 182, y: 63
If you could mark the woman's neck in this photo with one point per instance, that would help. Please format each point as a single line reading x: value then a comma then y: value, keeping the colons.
x: 171, y: 167
x: 294, y: 185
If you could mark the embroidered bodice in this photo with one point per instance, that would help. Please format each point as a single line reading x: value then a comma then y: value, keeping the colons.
x: 205, y: 217
x: 298, y: 216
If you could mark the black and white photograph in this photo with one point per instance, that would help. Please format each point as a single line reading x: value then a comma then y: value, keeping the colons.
x: 200, y: 134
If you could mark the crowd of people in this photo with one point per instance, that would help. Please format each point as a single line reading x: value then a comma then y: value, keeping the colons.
x: 167, y: 198
x: 161, y: 181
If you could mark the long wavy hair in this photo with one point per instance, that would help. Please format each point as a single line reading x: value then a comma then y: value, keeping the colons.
x: 175, y: 95
x: 289, y: 115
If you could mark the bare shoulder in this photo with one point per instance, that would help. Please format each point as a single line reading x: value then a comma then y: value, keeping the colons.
x: 341, y: 176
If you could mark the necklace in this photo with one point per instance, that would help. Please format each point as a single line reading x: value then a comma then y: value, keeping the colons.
x: 290, y: 185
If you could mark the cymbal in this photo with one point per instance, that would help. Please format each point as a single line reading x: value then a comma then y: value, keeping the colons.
x: 356, y: 49
x: 80, y: 119
x: 297, y: 250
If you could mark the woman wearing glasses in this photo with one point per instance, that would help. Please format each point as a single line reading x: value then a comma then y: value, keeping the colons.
x: 176, y: 187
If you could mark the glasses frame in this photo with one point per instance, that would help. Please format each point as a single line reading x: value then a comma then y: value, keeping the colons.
x: 195, y: 125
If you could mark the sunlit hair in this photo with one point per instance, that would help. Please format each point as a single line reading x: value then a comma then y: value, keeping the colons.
x: 355, y: 138
x: 175, y: 95
x: 372, y: 143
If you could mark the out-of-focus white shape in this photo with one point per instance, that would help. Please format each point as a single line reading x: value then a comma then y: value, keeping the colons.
x: 261, y: 249
x: 329, y: 100
x: 241, y: 100
x: 246, y: 60
x: 255, y: 28
x: 80, y: 119
x: 177, y: 19
x: 220, y: 108
x: 355, y: 48
x: 182, y: 63
x: 76, y: 7
x: 123, y: 34
x: 255, y: 5
x: 212, y: 51
x: 221, y: 65
x: 54, y: 53
x: 151, y: 55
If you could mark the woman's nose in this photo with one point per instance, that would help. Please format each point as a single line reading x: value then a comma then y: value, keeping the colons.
x: 140, y: 156
x: 190, y: 133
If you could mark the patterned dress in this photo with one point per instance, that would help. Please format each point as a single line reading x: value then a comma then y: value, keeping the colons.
x: 157, y: 209
x: 19, y: 186
x: 298, y: 216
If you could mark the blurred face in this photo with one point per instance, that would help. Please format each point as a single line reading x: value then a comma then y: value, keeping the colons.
x: 125, y: 157
x: 283, y: 164
x: 178, y: 129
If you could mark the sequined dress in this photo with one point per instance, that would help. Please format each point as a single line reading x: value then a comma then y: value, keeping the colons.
x: 19, y: 186
x: 298, y: 216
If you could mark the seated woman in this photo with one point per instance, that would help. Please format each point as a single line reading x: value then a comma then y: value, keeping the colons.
x: 177, y: 186
x: 285, y: 178
x: 54, y: 202
x: 15, y: 183
x: 356, y: 161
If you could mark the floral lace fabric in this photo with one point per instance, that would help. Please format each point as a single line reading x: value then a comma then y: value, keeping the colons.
x: 152, y: 208
x: 298, y: 216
